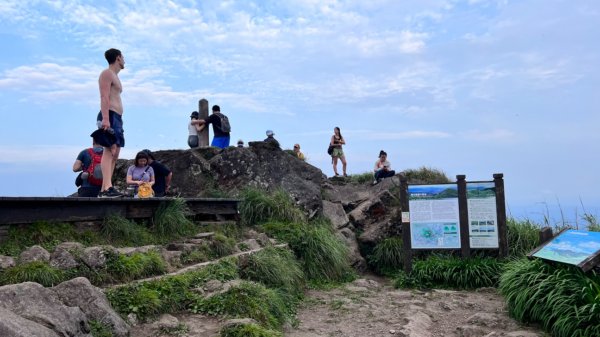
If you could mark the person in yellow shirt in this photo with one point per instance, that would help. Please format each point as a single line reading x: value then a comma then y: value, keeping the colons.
x: 297, y: 151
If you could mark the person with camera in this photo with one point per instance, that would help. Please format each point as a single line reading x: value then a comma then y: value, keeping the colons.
x: 383, y: 168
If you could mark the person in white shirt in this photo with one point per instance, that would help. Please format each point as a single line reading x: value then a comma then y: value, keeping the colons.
x: 194, y: 128
x: 383, y: 168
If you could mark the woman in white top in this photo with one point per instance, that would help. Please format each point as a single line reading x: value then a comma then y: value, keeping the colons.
x: 383, y: 168
x: 194, y: 128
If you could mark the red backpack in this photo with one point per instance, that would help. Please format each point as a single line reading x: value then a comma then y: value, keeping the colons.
x: 94, y: 170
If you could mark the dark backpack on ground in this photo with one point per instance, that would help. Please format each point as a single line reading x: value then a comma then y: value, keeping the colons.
x: 94, y: 170
x: 225, y: 127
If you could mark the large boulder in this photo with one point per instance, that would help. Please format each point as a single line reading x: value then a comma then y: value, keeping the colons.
x: 34, y: 253
x: 6, y: 262
x: 62, y: 259
x: 40, y: 306
x: 335, y: 212
x: 13, y: 325
x: 205, y: 171
x: 79, y: 292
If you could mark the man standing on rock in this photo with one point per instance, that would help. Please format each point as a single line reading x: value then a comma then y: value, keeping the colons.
x: 110, y: 118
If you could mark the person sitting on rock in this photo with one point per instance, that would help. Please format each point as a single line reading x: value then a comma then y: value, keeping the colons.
x: 270, y: 138
x: 383, y: 168
x: 298, y: 153
x: 240, y: 143
x: 140, y: 172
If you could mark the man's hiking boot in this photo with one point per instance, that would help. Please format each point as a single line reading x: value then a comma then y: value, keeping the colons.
x: 110, y: 193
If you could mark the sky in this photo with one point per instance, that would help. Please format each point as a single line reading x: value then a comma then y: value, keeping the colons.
x: 466, y: 87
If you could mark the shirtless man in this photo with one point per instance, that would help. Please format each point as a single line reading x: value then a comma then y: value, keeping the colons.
x: 109, y: 118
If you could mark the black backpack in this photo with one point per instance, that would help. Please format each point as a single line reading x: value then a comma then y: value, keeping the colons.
x: 225, y: 127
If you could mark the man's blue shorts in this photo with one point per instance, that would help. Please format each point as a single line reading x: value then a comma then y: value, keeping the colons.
x: 116, y: 123
x: 221, y: 142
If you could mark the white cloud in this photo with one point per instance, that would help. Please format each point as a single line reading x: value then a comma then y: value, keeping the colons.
x: 495, y: 135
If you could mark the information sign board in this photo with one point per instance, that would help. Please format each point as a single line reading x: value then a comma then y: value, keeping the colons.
x: 483, y: 219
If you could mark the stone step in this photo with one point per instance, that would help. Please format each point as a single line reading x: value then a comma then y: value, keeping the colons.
x: 217, y: 223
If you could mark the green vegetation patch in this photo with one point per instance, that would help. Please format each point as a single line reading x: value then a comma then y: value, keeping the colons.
x: 563, y: 299
x: 258, y: 207
x: 426, y: 175
x: 45, y: 234
x: 275, y: 268
x: 362, y: 178
x: 248, y: 300
x: 523, y: 236
x: 37, y: 271
x: 452, y: 272
x: 170, y: 220
x: 249, y: 330
x: 323, y: 256
x: 126, y: 268
x: 169, y: 294
x: 386, y: 258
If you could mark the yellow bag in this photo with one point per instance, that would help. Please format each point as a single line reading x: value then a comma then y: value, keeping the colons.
x: 145, y: 191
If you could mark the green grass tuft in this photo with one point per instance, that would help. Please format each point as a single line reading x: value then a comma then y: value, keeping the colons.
x: 249, y: 330
x: 248, y: 300
x: 362, y: 178
x: 258, y: 207
x: 38, y: 271
x: 170, y: 220
x: 452, y: 272
x: 125, y: 268
x: 275, y: 268
x: 426, y: 175
x: 523, y: 236
x: 323, y: 256
x: 563, y: 299
x: 222, y: 245
x: 120, y: 231
x: 387, y: 256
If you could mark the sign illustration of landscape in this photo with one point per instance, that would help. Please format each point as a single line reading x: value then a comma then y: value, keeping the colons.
x: 434, y: 216
x: 571, y: 246
x: 483, y: 218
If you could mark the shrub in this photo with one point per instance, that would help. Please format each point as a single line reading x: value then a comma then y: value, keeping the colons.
x: 258, y: 207
x: 248, y: 330
x: 453, y: 272
x: 523, y: 237
x: 37, y: 271
x: 275, y: 268
x: 222, y: 245
x: 563, y: 299
x: 591, y: 222
x: 170, y: 220
x: 248, y: 300
x: 98, y: 329
x: 137, y: 265
x: 120, y: 231
x: 426, y: 175
x: 387, y: 256
x: 362, y: 178
x: 136, y: 298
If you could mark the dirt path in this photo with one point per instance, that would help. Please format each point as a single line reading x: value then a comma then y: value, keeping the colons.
x: 369, y: 308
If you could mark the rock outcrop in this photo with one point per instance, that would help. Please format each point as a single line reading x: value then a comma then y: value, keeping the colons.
x: 206, y: 172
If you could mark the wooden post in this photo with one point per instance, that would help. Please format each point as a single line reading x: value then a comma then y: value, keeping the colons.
x: 545, y: 235
x: 501, y: 214
x: 463, y: 216
x: 203, y: 110
x: 405, y: 224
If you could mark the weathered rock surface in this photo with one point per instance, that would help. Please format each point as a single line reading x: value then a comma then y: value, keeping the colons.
x: 356, y: 259
x: 34, y: 253
x: 79, y: 292
x: 199, y: 172
x: 42, y: 306
x: 6, y: 262
x: 334, y: 211
x: 95, y: 257
x: 62, y: 259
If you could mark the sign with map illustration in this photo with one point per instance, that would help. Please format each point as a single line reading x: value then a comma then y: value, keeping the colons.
x: 434, y: 216
x: 483, y: 218
x: 572, y: 247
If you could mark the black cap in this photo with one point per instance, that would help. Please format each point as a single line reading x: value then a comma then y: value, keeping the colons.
x: 195, y: 114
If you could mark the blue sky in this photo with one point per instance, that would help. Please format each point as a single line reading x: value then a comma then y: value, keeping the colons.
x: 468, y: 87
